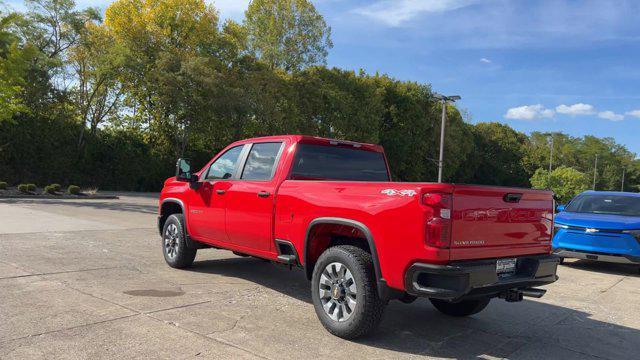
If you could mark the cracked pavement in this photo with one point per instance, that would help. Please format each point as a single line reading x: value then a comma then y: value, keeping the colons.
x: 85, y: 279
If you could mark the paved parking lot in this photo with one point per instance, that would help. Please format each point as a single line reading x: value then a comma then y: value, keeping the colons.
x: 86, y: 279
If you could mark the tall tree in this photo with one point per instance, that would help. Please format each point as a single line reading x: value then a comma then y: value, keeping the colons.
x: 287, y: 34
x: 163, y: 39
x: 54, y: 26
x: 500, y: 151
x: 13, y: 69
x: 565, y: 182
x: 97, y: 61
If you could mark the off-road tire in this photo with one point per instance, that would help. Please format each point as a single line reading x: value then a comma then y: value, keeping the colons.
x: 369, y: 308
x: 183, y: 256
x: 462, y: 308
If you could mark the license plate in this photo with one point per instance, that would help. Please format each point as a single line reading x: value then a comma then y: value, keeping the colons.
x: 506, y: 266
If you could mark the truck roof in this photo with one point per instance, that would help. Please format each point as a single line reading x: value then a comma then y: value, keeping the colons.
x: 311, y: 140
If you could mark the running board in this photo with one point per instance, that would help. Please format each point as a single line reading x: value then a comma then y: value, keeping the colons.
x: 287, y: 253
x: 288, y: 259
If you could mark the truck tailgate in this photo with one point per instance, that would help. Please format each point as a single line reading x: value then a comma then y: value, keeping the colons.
x: 500, y: 222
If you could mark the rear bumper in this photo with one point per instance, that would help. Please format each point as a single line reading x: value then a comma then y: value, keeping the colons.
x: 586, y: 255
x: 478, y: 278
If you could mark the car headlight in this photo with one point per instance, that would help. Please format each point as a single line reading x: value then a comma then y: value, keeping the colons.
x: 635, y: 233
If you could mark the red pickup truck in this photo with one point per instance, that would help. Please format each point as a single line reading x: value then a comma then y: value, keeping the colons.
x: 330, y: 207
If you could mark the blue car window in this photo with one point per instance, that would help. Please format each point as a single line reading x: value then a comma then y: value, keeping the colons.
x: 606, y: 204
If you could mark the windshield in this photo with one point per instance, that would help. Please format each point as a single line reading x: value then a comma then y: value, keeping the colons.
x: 606, y: 204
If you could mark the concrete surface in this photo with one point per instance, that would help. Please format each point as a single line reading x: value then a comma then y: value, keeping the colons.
x: 86, y: 279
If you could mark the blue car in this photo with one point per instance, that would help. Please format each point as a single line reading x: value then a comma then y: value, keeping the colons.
x: 598, y: 225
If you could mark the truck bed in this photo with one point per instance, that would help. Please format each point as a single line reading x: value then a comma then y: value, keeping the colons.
x: 483, y: 224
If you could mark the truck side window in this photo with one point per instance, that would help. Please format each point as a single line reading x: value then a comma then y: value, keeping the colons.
x: 261, y: 161
x: 225, y: 165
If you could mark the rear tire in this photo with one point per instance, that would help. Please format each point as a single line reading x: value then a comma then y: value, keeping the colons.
x: 462, y: 308
x: 561, y: 261
x: 347, y: 301
x: 174, y: 245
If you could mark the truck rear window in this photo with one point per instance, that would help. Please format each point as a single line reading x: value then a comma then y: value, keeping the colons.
x: 324, y: 162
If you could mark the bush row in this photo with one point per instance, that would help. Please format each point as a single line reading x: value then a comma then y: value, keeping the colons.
x: 52, y: 189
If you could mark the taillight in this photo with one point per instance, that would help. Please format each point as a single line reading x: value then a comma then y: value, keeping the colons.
x: 438, y: 228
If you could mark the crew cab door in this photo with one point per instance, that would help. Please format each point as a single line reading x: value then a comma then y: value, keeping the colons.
x: 250, y: 200
x: 207, y: 203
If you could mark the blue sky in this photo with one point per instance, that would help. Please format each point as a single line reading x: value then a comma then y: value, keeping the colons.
x: 556, y: 65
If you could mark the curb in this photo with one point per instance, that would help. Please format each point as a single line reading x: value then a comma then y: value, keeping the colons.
x: 61, y: 197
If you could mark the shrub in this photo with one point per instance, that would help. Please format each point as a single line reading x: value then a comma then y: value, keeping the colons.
x: 31, y: 187
x: 23, y: 188
x: 3, y: 185
x: 52, y: 189
x: 73, y: 190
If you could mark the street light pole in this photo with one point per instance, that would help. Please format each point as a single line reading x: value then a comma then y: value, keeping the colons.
x: 595, y: 172
x: 442, y: 126
x: 444, y: 100
x: 550, y: 158
x: 623, y: 174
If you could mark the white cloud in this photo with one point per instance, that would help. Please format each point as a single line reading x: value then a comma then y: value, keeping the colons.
x: 529, y: 112
x: 395, y: 13
x: 576, y: 109
x: 634, y: 113
x: 485, y: 60
x: 610, y: 115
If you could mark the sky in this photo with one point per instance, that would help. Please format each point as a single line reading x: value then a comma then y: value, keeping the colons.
x: 536, y: 65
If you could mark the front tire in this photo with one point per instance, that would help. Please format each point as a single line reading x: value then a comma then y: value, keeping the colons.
x: 462, y: 308
x: 344, y: 292
x: 174, y: 245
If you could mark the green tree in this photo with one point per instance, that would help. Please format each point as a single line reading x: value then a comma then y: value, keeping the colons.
x: 97, y: 61
x: 564, y: 181
x: 13, y: 69
x: 499, y: 155
x: 174, y: 52
x: 287, y: 34
x: 55, y: 25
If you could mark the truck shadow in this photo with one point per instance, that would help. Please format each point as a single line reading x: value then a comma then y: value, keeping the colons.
x: 530, y: 329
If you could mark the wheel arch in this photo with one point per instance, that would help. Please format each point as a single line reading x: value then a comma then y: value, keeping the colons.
x: 362, y: 228
x: 169, y: 207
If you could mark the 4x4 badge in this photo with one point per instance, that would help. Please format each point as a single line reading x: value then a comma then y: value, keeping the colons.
x: 392, y: 192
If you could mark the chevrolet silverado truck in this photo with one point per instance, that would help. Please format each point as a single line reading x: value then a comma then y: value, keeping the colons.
x: 330, y: 208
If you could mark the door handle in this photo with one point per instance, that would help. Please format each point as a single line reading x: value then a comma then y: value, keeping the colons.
x: 220, y: 192
x: 263, y: 194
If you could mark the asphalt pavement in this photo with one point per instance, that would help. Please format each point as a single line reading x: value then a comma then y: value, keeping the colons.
x: 85, y: 279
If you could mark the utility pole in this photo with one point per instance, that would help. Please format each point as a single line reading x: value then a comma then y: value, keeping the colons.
x: 550, y: 158
x: 442, y: 126
x: 623, y: 174
x: 444, y: 100
x: 595, y: 173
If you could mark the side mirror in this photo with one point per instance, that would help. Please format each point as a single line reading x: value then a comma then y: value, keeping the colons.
x: 560, y: 208
x: 184, y: 172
